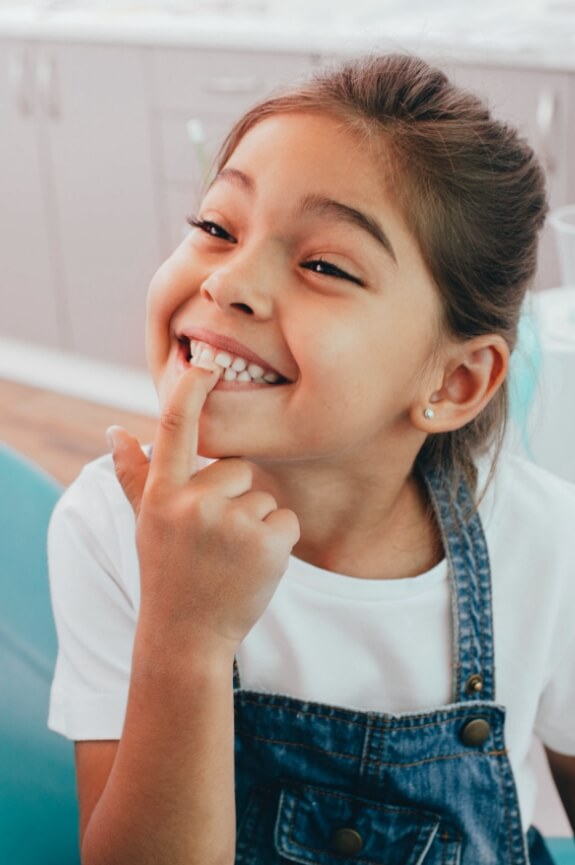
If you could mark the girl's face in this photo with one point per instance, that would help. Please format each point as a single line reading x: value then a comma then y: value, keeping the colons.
x: 299, y: 260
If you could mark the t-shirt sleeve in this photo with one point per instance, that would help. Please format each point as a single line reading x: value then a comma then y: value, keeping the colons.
x: 94, y: 583
x: 554, y: 724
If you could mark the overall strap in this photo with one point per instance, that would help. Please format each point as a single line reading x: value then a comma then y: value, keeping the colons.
x: 470, y: 583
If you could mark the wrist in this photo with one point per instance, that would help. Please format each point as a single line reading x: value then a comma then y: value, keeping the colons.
x: 182, y: 645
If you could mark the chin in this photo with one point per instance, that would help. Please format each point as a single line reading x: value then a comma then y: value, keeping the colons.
x: 216, y: 449
x: 212, y: 449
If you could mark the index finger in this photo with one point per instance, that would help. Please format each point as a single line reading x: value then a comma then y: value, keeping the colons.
x: 175, y: 451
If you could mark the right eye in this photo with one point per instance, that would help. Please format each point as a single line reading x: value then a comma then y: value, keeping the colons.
x: 211, y: 228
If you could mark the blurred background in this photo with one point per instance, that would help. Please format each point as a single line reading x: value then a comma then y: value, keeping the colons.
x: 110, y: 113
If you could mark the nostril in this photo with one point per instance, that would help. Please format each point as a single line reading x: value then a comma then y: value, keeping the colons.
x: 243, y: 307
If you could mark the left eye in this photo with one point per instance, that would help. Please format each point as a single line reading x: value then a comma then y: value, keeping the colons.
x: 320, y: 266
x: 211, y: 228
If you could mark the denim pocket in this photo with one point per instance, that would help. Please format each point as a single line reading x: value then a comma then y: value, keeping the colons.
x: 315, y: 826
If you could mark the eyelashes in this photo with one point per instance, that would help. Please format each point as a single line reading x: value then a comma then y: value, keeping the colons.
x: 317, y: 265
x: 211, y: 228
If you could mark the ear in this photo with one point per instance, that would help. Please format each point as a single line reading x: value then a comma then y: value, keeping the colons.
x: 472, y: 373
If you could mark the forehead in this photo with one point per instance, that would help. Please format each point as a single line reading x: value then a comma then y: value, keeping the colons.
x: 314, y: 149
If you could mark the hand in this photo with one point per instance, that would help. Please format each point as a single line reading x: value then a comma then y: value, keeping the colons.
x: 212, y: 550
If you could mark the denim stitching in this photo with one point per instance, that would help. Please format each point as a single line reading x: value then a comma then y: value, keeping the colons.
x: 372, y: 762
x: 442, y: 757
x: 455, y: 611
x: 395, y: 721
x: 467, y: 554
x: 285, y: 744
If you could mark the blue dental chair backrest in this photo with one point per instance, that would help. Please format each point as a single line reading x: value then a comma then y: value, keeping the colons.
x: 38, y: 808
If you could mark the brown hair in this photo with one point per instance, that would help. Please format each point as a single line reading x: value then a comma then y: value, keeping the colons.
x: 470, y: 189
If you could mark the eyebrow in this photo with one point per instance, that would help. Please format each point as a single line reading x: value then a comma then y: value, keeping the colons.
x: 344, y: 213
x: 321, y: 205
x: 235, y: 176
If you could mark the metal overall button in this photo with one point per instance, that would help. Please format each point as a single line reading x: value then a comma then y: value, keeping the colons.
x: 346, y: 842
x: 475, y: 732
x: 474, y: 684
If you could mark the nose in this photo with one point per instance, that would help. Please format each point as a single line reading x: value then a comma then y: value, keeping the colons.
x: 243, y: 285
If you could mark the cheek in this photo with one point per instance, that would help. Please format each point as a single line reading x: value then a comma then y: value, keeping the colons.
x: 342, y: 347
x: 172, y: 283
x: 169, y: 289
x: 161, y: 289
x: 333, y: 370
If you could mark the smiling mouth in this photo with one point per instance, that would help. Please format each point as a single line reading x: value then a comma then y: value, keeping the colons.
x: 232, y: 367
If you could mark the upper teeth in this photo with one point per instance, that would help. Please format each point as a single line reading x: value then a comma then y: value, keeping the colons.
x: 233, y: 367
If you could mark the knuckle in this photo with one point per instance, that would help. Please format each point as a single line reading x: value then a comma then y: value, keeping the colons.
x: 270, y: 502
x: 160, y: 507
x: 155, y: 493
x: 294, y: 526
x: 171, y: 419
x: 241, y: 470
x: 239, y: 521
x: 287, y: 528
x: 202, y: 508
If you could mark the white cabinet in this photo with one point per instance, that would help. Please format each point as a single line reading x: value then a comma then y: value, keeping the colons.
x: 79, y: 119
x: 541, y: 104
x: 31, y: 303
x: 196, y: 95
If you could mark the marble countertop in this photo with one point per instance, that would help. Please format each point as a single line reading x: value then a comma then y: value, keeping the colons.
x: 508, y: 32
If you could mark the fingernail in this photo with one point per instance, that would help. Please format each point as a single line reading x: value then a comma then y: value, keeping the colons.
x: 206, y: 363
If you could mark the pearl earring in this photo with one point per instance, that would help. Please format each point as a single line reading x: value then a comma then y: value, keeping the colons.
x: 429, y: 413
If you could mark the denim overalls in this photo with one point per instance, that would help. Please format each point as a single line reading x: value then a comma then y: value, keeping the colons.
x: 327, y: 785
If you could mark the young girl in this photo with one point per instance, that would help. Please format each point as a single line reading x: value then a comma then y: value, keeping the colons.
x: 314, y: 624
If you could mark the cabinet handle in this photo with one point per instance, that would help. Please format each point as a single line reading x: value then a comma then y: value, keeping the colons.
x: 232, y: 84
x: 197, y: 136
x: 47, y: 85
x: 545, y: 118
x: 19, y: 77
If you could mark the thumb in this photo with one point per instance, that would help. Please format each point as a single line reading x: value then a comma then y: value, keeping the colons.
x: 131, y: 464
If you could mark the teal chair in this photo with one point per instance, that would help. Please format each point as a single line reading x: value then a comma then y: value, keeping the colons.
x: 38, y: 807
x: 562, y: 850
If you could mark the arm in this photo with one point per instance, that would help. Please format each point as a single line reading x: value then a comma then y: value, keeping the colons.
x: 165, y: 792
x: 563, y: 770
x: 211, y: 553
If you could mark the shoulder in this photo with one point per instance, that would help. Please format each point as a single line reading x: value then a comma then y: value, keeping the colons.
x: 92, y: 522
x: 528, y: 517
x: 530, y: 499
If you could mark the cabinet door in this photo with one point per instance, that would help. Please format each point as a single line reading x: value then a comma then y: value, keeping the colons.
x: 537, y: 102
x: 197, y: 94
x: 189, y: 143
x: 29, y: 304
x: 223, y: 81
x: 101, y: 155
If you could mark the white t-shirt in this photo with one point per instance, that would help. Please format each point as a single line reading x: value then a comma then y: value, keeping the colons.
x: 379, y: 645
